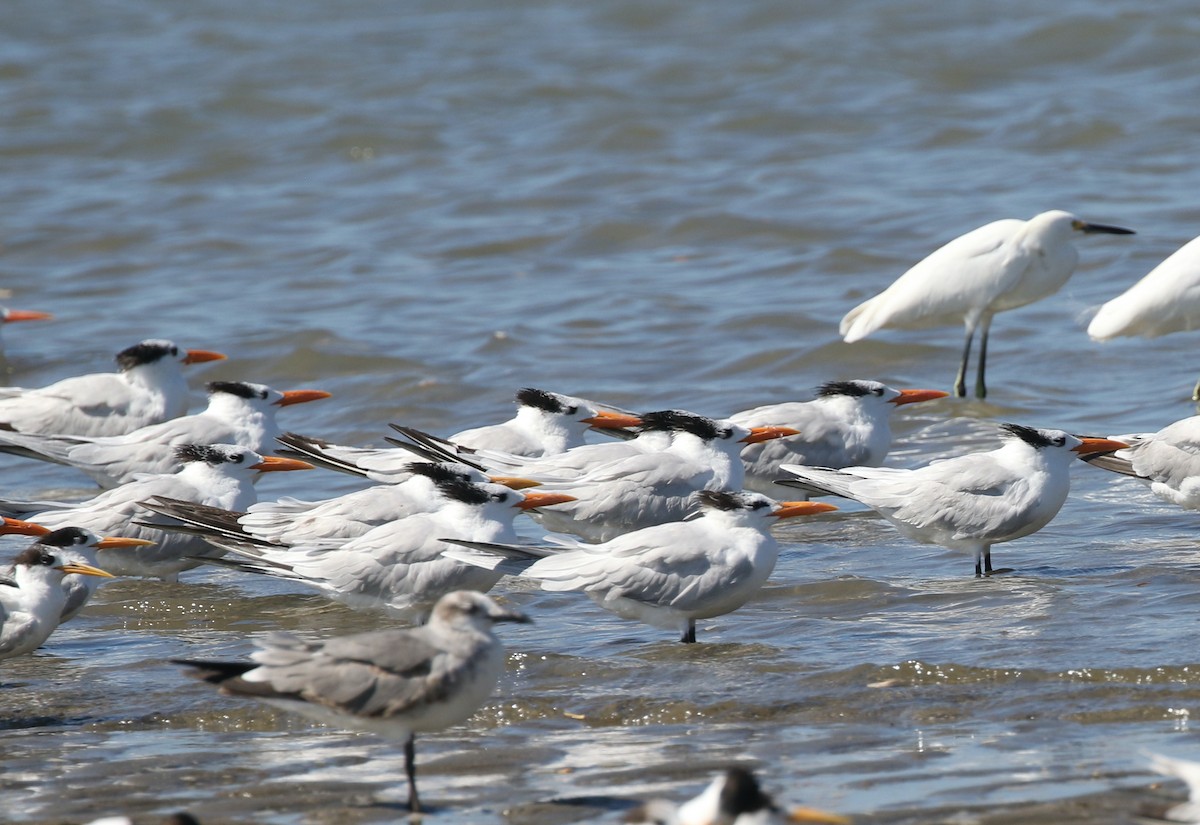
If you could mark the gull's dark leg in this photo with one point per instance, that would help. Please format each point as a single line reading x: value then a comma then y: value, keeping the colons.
x: 410, y: 770
x: 980, y: 386
x: 960, y: 381
x: 689, y: 635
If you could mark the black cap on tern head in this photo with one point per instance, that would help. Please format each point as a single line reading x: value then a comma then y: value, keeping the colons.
x: 239, y: 388
x: 188, y: 453
x: 1033, y: 437
x: 436, y: 472
x: 682, y: 421
x: 542, y: 400
x: 35, y: 555
x: 146, y: 352
x: 853, y: 389
x: 65, y: 537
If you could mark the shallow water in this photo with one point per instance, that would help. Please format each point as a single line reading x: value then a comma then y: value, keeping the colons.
x: 421, y: 208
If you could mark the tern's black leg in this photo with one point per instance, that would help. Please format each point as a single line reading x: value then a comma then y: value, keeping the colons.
x: 689, y: 635
x: 960, y: 380
x: 410, y: 770
x: 987, y: 560
x: 980, y: 386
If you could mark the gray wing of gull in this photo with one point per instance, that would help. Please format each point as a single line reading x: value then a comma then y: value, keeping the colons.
x: 375, y: 674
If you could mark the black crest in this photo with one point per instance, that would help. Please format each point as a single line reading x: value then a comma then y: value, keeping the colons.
x: 1032, y: 437
x: 720, y: 500
x: 741, y: 794
x: 239, y: 388
x: 35, y: 555
x: 461, y: 490
x: 728, y: 501
x: 203, y: 452
x: 853, y: 389
x: 680, y: 421
x: 147, y: 352
x: 542, y: 400
x: 436, y: 472
x: 65, y: 537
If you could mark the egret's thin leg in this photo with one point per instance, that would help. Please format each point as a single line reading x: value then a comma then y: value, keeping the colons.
x: 960, y: 381
x: 410, y: 770
x: 985, y: 327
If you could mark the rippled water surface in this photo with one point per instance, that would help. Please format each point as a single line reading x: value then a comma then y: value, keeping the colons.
x: 423, y: 206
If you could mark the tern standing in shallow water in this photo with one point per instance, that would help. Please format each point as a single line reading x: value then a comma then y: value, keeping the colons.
x: 667, y: 575
x: 969, y: 502
x: 1003, y: 265
x: 396, y: 683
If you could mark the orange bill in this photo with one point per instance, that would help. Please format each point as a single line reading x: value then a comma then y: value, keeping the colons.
x: 199, y: 356
x: 26, y: 315
x: 16, y: 527
x: 608, y: 420
x: 915, y: 396
x: 274, y: 464
x: 787, y: 509
x: 301, y: 397
x: 758, y: 434
x: 1098, y: 445
x: 515, y: 482
x: 121, y: 542
x: 815, y: 815
x: 544, y: 500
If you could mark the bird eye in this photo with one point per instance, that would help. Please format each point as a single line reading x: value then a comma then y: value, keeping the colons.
x: 571, y: 410
x: 878, y: 391
x: 46, y: 559
x: 1059, y: 441
x: 238, y: 458
x: 725, y: 432
x: 501, y: 497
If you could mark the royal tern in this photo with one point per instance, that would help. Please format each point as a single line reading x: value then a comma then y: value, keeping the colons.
x: 1003, y: 265
x: 149, y: 388
x: 1168, y: 460
x: 969, y: 502
x: 1166, y: 300
x: 290, y: 521
x: 650, y: 486
x: 218, y: 475
x: 1187, y: 770
x: 32, y: 596
x: 397, y: 567
x: 846, y: 425
x: 668, y: 575
x: 238, y: 413
x: 546, y: 424
x: 733, y: 798
x: 396, y: 683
